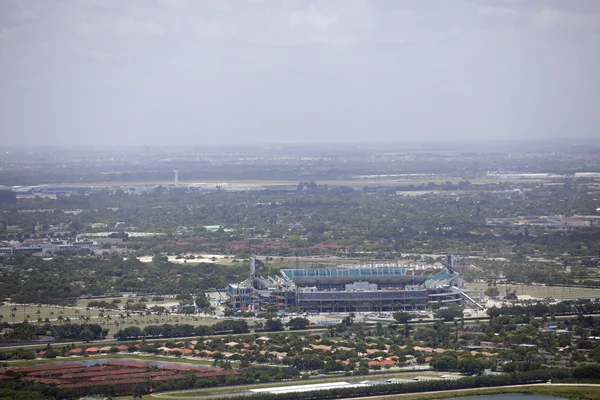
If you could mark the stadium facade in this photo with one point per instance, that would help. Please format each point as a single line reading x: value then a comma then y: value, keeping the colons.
x: 374, y: 287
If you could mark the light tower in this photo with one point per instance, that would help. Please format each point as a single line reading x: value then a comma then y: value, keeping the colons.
x: 176, y: 172
x: 252, y: 273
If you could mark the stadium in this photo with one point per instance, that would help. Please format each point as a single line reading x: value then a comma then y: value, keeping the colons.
x: 374, y: 287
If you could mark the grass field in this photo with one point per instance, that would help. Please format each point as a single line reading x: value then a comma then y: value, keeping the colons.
x: 111, y: 319
x: 570, y: 391
x: 541, y: 292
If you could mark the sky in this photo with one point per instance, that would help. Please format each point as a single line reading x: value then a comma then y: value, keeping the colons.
x: 193, y: 72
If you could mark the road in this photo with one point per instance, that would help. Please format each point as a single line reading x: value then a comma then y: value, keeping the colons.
x: 150, y: 339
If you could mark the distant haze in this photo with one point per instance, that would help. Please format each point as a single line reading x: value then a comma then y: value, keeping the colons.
x: 153, y: 72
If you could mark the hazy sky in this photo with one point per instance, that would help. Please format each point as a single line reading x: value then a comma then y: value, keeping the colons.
x: 76, y: 72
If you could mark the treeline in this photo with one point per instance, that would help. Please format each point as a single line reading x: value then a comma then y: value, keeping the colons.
x: 262, y: 373
x: 78, y: 331
x: 541, y: 309
x: 8, y: 197
x: 24, y: 331
x: 27, y: 390
x: 521, y: 378
x: 26, y: 281
x: 183, y: 330
x: 103, y: 304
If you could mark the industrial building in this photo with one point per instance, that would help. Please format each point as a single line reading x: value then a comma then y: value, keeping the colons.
x: 306, y: 388
x: 374, y: 287
x: 45, y: 246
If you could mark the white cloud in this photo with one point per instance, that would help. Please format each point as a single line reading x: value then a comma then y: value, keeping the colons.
x: 125, y: 26
x: 98, y: 55
x: 128, y: 26
x: 213, y: 28
x: 551, y: 18
x: 499, y: 12
x: 312, y: 19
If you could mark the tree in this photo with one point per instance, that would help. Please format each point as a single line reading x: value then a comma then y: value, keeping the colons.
x: 349, y: 320
x: 87, y: 334
x: 273, y: 325
x: 202, y: 300
x: 492, y: 291
x: 471, y: 365
x: 444, y: 362
x: 298, y: 323
x: 131, y: 332
x: 587, y: 371
x: 450, y: 313
x: 8, y: 197
x: 402, y: 317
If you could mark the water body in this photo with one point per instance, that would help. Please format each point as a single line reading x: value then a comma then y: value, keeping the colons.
x: 510, y: 397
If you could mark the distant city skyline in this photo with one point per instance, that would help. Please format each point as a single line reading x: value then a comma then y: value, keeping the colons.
x: 185, y: 72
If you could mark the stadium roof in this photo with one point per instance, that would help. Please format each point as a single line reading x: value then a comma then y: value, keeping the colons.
x: 442, y: 279
x: 343, y: 272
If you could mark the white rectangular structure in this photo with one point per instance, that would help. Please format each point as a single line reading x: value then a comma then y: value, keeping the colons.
x: 307, y: 388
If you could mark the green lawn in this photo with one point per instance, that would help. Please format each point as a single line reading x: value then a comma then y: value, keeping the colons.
x: 112, y: 319
x: 541, y: 292
x: 573, y: 392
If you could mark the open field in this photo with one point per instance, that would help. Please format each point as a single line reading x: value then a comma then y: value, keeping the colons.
x: 542, y: 292
x: 111, y: 319
x: 568, y: 391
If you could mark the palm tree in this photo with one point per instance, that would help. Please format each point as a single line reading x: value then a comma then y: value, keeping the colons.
x: 456, y: 330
